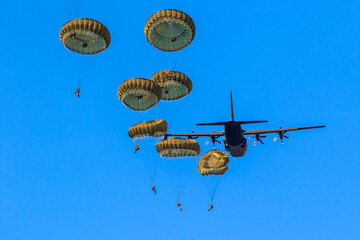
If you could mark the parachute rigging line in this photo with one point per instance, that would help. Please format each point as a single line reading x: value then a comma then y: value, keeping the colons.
x: 74, y: 8
x: 214, y: 181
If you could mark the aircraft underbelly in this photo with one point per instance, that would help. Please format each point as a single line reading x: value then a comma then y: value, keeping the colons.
x: 239, y: 150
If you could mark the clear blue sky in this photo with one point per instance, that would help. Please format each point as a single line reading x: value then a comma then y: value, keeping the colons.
x: 67, y: 168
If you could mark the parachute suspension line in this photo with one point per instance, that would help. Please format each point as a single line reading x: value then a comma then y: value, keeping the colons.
x: 178, y: 186
x: 149, y: 172
x: 187, y: 177
x: 169, y: 60
x: 69, y: 13
x: 178, y: 171
x: 76, y: 63
x: 71, y: 56
x: 66, y: 9
x: 218, y: 179
x: 73, y: 8
x: 78, y: 7
x: 156, y: 159
x: 148, y: 156
x: 87, y: 71
x: 164, y: 111
x: 169, y: 110
x: 80, y: 67
x: 138, y: 142
x: 181, y: 191
x: 173, y: 179
x: 174, y: 108
x: 176, y: 61
x: 148, y: 169
x: 212, y: 183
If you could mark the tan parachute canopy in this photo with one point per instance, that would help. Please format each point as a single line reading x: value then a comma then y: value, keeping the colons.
x: 174, y: 85
x: 154, y: 128
x: 85, y: 36
x: 139, y: 94
x: 177, y: 147
x: 213, y: 162
x: 169, y: 30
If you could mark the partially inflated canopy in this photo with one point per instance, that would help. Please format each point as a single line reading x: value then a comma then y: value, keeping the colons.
x: 213, y: 162
x: 177, y: 147
x: 85, y: 36
x: 169, y: 30
x: 154, y: 128
x: 174, y: 85
x: 139, y: 94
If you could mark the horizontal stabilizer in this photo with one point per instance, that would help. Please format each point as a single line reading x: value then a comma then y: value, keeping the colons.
x: 229, y: 123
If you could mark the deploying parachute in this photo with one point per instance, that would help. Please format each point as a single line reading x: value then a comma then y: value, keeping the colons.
x: 146, y: 134
x: 85, y: 36
x: 169, y: 30
x: 212, y: 165
x: 139, y: 94
x: 174, y: 85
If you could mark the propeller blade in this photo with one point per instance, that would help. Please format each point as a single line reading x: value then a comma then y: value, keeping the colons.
x: 276, y: 138
x: 261, y: 141
x: 286, y: 137
x: 263, y: 136
x: 213, y: 145
x: 208, y: 142
x: 282, y: 142
x: 218, y: 141
x: 255, y: 142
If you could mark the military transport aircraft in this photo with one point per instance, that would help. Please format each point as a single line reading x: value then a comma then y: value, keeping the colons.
x: 234, y: 136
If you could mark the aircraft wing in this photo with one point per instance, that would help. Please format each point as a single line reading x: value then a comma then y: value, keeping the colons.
x: 253, y: 132
x: 190, y: 135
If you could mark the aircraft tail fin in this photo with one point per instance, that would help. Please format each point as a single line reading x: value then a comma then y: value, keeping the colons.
x: 231, y: 109
x: 231, y: 122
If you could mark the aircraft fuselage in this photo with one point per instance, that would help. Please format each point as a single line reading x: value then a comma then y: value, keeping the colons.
x: 234, y: 141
